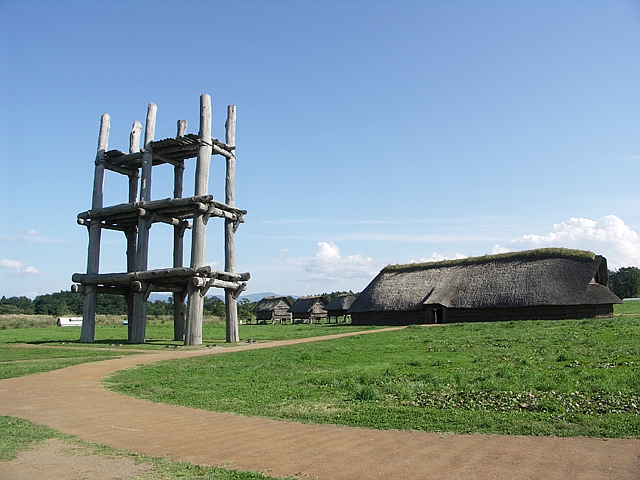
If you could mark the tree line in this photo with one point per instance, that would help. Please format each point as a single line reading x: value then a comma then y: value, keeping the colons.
x: 625, y: 282
x: 67, y: 303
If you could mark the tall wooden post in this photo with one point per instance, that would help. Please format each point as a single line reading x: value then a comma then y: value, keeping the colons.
x: 138, y: 329
x: 193, y: 334
x: 178, y: 243
x: 231, y: 304
x: 87, y: 335
x: 132, y: 232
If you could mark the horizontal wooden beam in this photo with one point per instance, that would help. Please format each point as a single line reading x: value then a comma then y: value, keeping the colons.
x: 127, y: 278
x: 122, y: 170
x: 150, y: 205
x: 124, y: 278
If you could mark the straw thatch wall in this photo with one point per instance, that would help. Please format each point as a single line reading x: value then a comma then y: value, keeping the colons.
x: 309, y: 308
x: 272, y: 309
x: 538, y: 284
x: 338, y: 306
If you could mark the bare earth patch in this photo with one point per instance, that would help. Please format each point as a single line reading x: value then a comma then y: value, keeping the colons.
x: 64, y: 461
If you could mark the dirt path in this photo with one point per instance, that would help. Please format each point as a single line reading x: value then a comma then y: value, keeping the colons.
x: 73, y: 401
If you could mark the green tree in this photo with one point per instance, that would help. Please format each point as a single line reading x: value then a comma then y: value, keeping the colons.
x: 159, y: 307
x: 333, y: 295
x: 16, y: 305
x: 214, y: 306
x: 625, y: 282
x: 245, y: 309
x: 110, y: 305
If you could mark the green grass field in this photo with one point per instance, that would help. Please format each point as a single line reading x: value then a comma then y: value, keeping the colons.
x: 564, y: 378
x: 59, y: 347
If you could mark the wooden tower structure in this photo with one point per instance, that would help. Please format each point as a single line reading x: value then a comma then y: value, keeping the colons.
x: 136, y: 217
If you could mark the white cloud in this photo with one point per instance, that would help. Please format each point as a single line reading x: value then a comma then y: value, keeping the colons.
x: 30, y: 236
x: 608, y: 236
x: 328, y: 265
x: 498, y: 249
x: 19, y: 268
x: 282, y: 254
x: 436, y: 257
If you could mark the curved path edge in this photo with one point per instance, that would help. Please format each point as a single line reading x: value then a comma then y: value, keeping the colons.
x: 72, y: 400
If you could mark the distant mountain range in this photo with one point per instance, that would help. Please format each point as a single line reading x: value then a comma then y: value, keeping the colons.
x: 254, y: 297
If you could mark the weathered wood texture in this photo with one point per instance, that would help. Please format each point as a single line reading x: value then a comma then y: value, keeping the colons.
x: 231, y: 305
x: 131, y: 232
x: 136, y: 217
x: 178, y: 243
x: 87, y: 334
x: 139, y: 320
x: 193, y: 334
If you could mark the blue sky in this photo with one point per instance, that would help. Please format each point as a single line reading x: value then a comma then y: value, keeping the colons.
x: 369, y: 132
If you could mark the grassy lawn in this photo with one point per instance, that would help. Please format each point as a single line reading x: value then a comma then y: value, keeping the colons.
x: 18, y: 435
x: 564, y: 378
x: 110, y: 331
x: 59, y: 347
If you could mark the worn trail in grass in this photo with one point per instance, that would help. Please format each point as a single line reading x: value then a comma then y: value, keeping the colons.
x: 72, y: 401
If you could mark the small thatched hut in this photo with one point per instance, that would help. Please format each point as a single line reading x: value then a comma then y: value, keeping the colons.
x: 338, y: 307
x: 273, y: 309
x: 536, y: 284
x: 309, y: 308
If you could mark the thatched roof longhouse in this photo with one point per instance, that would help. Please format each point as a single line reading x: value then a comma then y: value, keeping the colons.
x: 544, y: 283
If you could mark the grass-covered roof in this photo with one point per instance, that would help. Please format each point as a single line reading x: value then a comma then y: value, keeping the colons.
x: 530, y: 278
x: 510, y: 256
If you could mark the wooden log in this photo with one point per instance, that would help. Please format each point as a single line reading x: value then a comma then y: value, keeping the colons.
x: 193, y: 335
x: 220, y: 151
x: 134, y: 147
x: 182, y: 128
x: 134, y: 137
x: 132, y: 231
x: 176, y: 222
x: 150, y: 125
x: 201, y: 282
x: 224, y: 146
x: 137, y: 332
x: 178, y: 243
x: 178, y: 314
x: 213, y: 211
x: 121, y: 170
x: 231, y: 306
x: 167, y: 203
x: 87, y: 334
x: 130, y: 160
x: 159, y: 159
x: 204, y: 150
x: 127, y: 278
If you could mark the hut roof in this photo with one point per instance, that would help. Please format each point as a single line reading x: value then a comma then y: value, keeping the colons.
x: 268, y: 304
x: 340, y: 303
x: 305, y: 304
x: 518, y: 279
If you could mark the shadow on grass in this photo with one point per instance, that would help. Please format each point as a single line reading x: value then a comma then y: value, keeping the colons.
x: 113, y: 342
